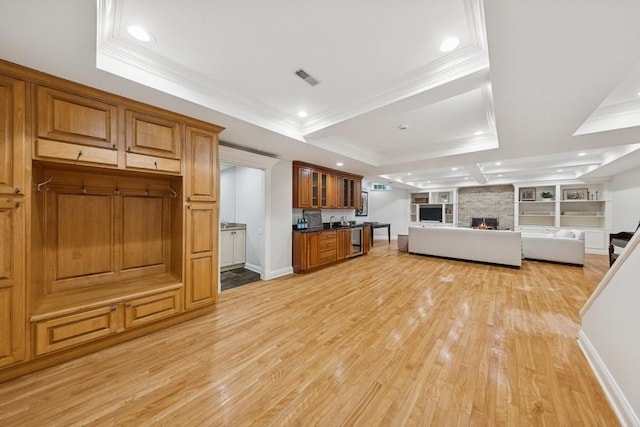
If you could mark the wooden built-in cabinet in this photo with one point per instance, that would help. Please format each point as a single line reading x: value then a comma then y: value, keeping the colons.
x: 314, y: 249
x: 108, y: 219
x: 317, y: 187
x: 12, y: 221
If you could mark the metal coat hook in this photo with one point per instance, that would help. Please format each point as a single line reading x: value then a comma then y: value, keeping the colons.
x: 83, y: 190
x: 172, y: 193
x: 146, y: 192
x: 40, y: 187
x: 116, y: 191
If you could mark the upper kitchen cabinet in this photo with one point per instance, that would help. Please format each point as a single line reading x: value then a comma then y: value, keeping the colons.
x: 303, y: 187
x: 202, y: 164
x: 318, y: 187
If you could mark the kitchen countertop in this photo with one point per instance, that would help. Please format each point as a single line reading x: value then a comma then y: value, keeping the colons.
x: 325, y: 227
x: 233, y: 226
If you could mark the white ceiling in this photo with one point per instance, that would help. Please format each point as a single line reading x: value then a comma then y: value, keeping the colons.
x: 542, y: 81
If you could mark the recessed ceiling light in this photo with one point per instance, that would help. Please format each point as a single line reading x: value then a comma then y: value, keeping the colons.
x: 498, y: 163
x: 560, y: 170
x: 582, y: 154
x: 139, y: 33
x: 339, y: 164
x: 466, y: 177
x: 478, y: 132
x: 428, y: 182
x: 302, y: 114
x: 449, y: 44
x: 638, y: 93
x: 409, y: 173
x: 454, y: 169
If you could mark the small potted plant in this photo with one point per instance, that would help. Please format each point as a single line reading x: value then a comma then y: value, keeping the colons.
x: 546, y: 195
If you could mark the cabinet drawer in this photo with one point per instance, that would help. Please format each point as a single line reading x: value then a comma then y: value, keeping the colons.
x: 152, y: 308
x: 140, y: 161
x: 328, y: 256
x: 326, y: 245
x: 328, y: 235
x: 67, y: 331
x: 76, y: 153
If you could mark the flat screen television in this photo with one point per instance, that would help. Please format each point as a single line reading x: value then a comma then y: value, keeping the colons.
x: 431, y: 213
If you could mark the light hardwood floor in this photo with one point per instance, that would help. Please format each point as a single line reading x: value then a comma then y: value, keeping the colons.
x: 385, y: 339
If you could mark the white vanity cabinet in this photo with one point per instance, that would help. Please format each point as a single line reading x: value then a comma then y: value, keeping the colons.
x: 232, y: 247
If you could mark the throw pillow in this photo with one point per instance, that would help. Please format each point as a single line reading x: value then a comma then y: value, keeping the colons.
x: 565, y: 233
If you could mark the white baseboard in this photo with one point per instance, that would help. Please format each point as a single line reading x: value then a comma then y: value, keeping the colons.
x: 254, y: 268
x: 278, y: 273
x: 616, y: 398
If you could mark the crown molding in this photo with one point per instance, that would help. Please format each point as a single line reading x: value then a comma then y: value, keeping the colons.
x: 463, y: 62
x: 611, y: 117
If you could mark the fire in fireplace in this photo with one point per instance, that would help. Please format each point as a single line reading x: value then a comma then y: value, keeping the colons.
x: 484, y: 223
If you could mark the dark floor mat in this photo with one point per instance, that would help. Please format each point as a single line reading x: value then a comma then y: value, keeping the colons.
x: 238, y: 277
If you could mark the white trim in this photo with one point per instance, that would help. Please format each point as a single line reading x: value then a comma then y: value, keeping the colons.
x: 254, y: 268
x: 279, y: 273
x: 616, y: 398
x: 236, y: 157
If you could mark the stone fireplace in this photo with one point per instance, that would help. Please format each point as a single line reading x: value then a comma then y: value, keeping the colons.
x: 491, y: 201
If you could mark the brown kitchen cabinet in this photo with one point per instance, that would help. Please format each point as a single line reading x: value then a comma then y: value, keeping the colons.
x: 318, y: 187
x: 316, y: 249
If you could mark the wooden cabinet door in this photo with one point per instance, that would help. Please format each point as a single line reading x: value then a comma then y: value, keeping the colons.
x: 313, y: 249
x: 338, y: 192
x: 344, y: 244
x: 357, y: 194
x: 62, y: 116
x: 366, y: 239
x: 201, y: 165
x: 201, y: 260
x: 153, y: 135
x: 12, y: 286
x: 330, y: 191
x: 12, y: 136
x: 302, y: 187
x: 12, y: 221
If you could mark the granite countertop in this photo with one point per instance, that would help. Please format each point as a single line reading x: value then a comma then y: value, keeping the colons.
x: 233, y: 226
x: 325, y: 227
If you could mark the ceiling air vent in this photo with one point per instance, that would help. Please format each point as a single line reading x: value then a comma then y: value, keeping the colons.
x: 306, y: 77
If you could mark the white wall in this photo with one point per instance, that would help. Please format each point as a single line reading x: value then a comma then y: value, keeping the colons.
x: 389, y: 207
x: 279, y: 219
x: 624, y: 191
x: 610, y: 337
x: 228, y: 194
x: 250, y: 210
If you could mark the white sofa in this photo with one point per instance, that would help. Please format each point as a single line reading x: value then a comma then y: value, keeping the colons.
x: 566, y: 246
x: 492, y: 246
